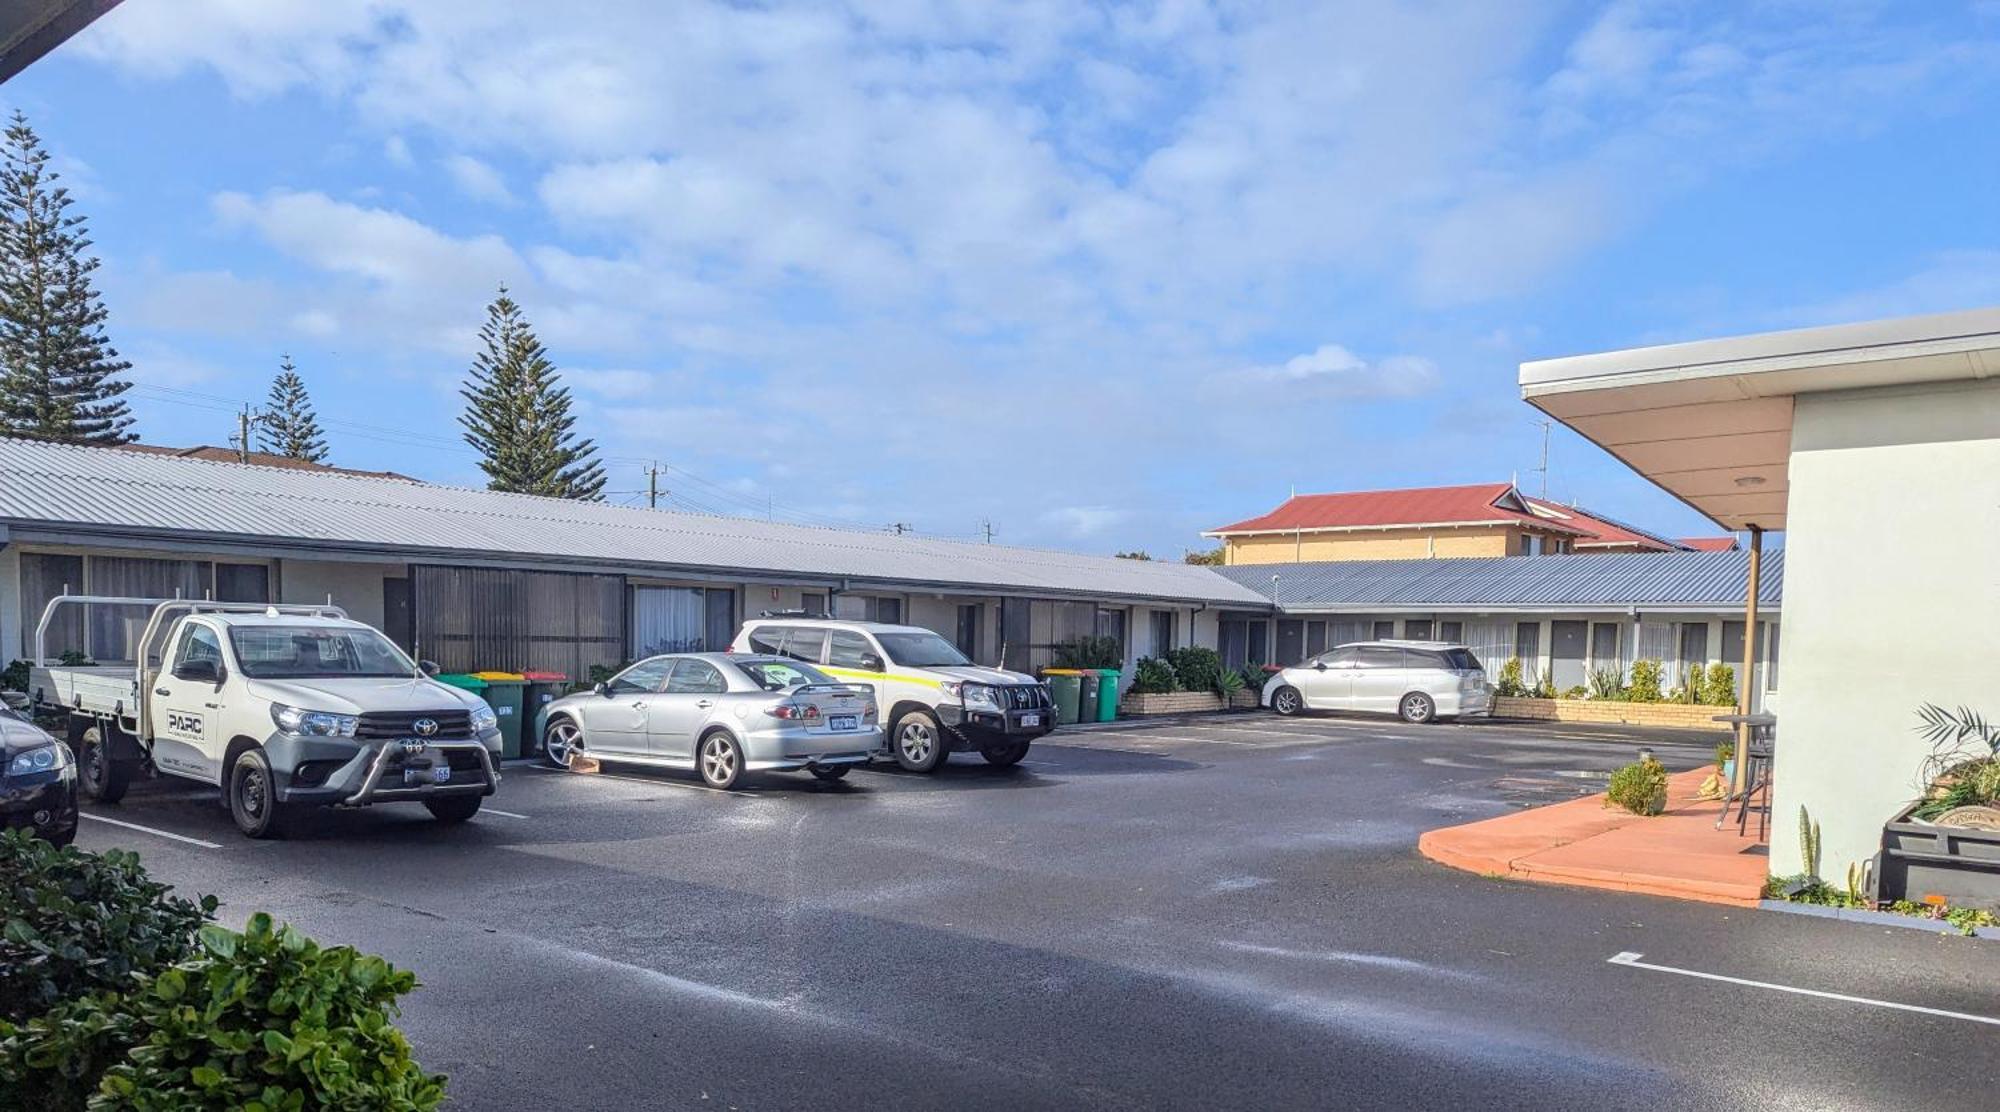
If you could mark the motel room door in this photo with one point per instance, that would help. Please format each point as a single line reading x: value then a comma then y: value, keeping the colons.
x: 1567, y: 642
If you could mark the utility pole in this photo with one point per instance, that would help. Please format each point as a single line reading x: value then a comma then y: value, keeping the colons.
x: 900, y: 527
x: 245, y: 417
x: 986, y: 526
x: 653, y: 487
x: 1544, y: 468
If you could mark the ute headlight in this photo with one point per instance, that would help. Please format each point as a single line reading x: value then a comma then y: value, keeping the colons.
x: 46, y: 758
x: 312, y: 723
x: 483, y: 719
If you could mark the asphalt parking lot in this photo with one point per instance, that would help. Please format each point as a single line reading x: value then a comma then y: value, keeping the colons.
x: 1226, y: 912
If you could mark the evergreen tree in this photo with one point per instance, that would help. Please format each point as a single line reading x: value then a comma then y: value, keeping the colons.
x: 289, y: 427
x: 60, y: 379
x: 517, y: 414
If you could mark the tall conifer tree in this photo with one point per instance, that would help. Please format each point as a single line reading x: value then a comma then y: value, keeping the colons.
x: 289, y: 427
x: 60, y: 378
x: 517, y: 414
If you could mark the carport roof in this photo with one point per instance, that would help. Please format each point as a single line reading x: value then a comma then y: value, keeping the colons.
x: 65, y: 491
x: 1674, y: 581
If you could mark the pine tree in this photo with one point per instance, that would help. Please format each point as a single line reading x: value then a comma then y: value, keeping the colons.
x: 289, y: 427
x: 517, y: 414
x: 60, y: 379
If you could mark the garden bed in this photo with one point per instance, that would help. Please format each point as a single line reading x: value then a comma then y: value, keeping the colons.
x: 1920, y: 859
x: 1140, y: 705
x: 1680, y: 716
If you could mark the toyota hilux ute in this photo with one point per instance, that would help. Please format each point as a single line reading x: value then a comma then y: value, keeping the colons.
x: 282, y: 707
x: 933, y: 700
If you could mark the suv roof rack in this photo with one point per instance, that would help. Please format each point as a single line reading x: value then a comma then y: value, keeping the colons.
x: 813, y: 614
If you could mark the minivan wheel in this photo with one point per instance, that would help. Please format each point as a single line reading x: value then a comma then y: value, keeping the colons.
x: 1286, y: 701
x: 253, y: 795
x: 1418, y: 708
x: 918, y: 742
x: 102, y: 778
x: 721, y: 761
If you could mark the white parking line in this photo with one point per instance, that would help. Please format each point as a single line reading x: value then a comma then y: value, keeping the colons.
x: 1628, y: 958
x: 149, y: 830
x: 502, y: 814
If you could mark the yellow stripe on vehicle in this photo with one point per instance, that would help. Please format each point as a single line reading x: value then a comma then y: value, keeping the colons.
x: 856, y: 673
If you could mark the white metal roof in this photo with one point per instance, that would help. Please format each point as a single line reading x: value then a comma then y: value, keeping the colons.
x: 68, y: 490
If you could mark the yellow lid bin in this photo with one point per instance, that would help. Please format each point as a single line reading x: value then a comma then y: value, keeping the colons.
x: 1066, y: 688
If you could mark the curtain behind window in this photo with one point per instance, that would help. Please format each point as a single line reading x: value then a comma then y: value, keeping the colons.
x: 114, y: 629
x: 668, y: 620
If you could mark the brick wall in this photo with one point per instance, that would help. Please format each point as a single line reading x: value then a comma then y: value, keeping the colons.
x: 1679, y: 716
x: 1175, y: 702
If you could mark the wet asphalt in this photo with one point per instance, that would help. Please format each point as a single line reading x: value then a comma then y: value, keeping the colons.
x: 1218, y: 913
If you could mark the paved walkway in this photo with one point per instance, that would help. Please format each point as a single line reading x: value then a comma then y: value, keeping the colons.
x: 1584, y: 843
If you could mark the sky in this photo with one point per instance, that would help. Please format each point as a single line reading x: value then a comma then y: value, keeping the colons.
x: 1096, y: 277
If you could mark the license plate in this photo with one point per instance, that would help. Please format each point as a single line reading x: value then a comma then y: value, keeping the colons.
x: 1031, y: 720
x: 841, y: 723
x: 441, y: 774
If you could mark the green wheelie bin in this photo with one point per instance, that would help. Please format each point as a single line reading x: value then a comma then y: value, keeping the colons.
x: 1066, y: 688
x: 1107, y: 694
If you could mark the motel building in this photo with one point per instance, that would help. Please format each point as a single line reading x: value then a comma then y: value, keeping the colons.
x: 1875, y: 448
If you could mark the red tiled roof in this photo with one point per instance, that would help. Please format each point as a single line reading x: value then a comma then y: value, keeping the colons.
x: 1479, y: 504
x: 1604, y: 532
x: 1710, y: 544
x: 215, y: 454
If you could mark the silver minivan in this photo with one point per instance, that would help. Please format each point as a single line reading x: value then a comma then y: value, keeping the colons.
x: 1420, y: 681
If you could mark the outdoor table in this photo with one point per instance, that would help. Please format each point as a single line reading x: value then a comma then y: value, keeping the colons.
x: 1762, y: 725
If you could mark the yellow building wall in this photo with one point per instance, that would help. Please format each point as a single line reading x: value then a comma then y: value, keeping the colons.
x: 1376, y: 544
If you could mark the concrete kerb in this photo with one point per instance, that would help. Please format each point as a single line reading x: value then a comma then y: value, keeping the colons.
x: 1875, y: 918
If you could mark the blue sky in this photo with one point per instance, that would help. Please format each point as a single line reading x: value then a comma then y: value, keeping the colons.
x: 1102, y: 276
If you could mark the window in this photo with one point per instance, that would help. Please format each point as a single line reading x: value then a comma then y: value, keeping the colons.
x: 668, y: 620
x: 779, y: 675
x: 198, y: 642
x: 1604, y: 646
x: 1163, y: 631
x: 868, y: 608
x: 767, y: 639
x: 696, y: 677
x: 43, y: 577
x: 1528, y: 644
x: 1254, y: 651
x: 304, y: 652
x: 1378, y: 656
x: 1461, y: 659
x: 804, y: 643
x: 242, y: 583
x: 647, y: 675
x: 921, y: 650
x: 1384, y: 631
x: 850, y: 650
x: 1451, y: 631
x: 813, y: 603
x: 1771, y: 656
x: 1342, y: 658
x: 1417, y: 629
x: 889, y: 611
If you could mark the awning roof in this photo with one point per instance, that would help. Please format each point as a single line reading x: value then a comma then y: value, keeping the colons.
x: 1708, y: 582
x: 1711, y: 421
x: 32, y: 28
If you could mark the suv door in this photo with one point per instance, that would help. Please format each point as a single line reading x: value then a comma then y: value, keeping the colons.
x: 1333, y: 687
x: 184, y: 706
x: 676, y: 715
x: 616, y: 723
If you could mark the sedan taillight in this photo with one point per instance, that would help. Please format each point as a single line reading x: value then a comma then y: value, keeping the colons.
x: 792, y: 712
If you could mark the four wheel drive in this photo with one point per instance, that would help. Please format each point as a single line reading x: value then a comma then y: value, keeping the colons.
x: 934, y: 701
x: 282, y: 707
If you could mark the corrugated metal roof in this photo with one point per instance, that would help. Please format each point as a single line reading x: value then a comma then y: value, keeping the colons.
x: 1482, y: 504
x: 101, y: 489
x: 1616, y: 580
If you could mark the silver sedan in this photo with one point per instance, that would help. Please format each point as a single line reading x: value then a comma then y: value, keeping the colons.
x: 721, y: 714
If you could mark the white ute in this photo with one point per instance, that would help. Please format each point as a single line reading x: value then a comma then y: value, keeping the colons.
x: 280, y: 706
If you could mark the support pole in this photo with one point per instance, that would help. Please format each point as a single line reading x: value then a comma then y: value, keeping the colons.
x: 1743, y: 678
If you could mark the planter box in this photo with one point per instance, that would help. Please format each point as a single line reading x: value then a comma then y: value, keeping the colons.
x: 1172, y: 702
x: 1920, y: 859
x: 1678, y: 716
x: 1245, y: 699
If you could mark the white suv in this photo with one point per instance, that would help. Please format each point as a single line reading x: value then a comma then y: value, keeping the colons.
x: 934, y: 701
x: 1421, y: 681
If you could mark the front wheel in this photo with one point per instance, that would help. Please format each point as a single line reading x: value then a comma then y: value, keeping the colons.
x: 721, y: 761
x: 1286, y: 701
x: 918, y: 742
x: 1417, y: 708
x: 102, y: 778
x: 253, y: 796
x: 561, y: 742
x: 453, y: 808
x: 829, y: 773
x: 1006, y: 754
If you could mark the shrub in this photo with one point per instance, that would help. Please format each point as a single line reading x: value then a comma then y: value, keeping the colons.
x: 1607, y: 685
x: 265, y: 1019
x: 1645, y: 686
x: 1640, y: 787
x: 1195, y: 668
x: 1227, y: 683
x: 1725, y: 751
x: 1719, y: 688
x: 1153, y: 676
x: 77, y: 922
x: 15, y: 676
x: 1577, y: 692
x: 1544, y: 688
x: 1689, y: 690
x: 1509, y: 681
x: 1090, y: 652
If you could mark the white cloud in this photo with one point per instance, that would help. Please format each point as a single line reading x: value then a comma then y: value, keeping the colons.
x: 477, y: 180
x: 397, y: 150
x: 1085, y: 522
x: 1332, y: 371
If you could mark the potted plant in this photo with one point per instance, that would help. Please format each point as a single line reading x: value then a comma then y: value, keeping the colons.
x: 1947, y: 842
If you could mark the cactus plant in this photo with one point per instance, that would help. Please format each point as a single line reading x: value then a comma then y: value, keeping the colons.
x: 1809, y: 843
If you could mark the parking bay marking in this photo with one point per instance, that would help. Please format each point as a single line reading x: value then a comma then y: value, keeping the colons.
x: 1631, y: 959
x: 502, y: 814
x: 149, y: 830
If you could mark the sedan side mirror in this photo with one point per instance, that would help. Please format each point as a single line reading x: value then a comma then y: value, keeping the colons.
x: 428, y: 667
x: 600, y: 688
x: 198, y: 671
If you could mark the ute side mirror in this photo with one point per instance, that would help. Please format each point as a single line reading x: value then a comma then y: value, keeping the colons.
x: 600, y: 688
x: 198, y: 671
x: 871, y: 662
x: 429, y: 667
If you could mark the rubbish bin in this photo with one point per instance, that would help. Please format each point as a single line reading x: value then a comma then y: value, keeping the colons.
x: 1086, y: 700
x: 543, y: 688
x: 503, y: 693
x: 1107, y: 694
x: 1066, y: 688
